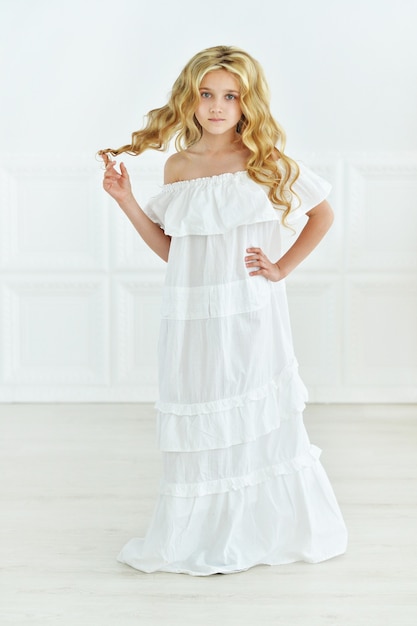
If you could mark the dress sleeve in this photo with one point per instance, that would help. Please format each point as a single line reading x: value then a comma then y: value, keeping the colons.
x: 154, y: 211
x: 311, y: 189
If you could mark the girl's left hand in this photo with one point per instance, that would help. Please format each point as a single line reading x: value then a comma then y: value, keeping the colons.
x: 257, y: 259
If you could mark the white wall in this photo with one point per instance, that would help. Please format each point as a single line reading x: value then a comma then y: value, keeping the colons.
x: 79, y: 291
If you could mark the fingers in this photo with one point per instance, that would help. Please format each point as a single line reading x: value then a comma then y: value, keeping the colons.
x: 258, y: 263
x: 254, y: 263
x: 111, y: 176
x: 116, y: 183
x: 256, y: 257
x: 109, y: 163
x: 123, y: 170
x: 106, y: 158
x: 256, y: 253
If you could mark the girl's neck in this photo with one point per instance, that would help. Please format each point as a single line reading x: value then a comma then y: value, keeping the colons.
x: 219, y: 144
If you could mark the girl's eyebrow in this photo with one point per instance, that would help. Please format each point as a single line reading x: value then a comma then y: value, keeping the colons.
x: 225, y: 90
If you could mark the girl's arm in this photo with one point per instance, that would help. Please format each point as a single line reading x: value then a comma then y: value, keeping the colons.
x: 119, y: 188
x: 320, y: 218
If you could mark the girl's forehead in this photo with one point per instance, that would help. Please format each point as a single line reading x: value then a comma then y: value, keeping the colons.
x: 220, y: 79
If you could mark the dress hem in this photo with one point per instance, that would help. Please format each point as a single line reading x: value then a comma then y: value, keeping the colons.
x: 236, y: 570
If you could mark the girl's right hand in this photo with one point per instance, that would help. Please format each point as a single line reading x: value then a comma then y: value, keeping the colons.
x: 117, y: 185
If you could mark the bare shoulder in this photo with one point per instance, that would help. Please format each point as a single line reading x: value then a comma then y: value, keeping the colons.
x: 174, y: 167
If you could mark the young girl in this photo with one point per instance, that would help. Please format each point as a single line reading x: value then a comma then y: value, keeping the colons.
x: 241, y: 484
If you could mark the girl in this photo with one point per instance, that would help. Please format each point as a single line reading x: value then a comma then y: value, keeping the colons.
x: 241, y: 485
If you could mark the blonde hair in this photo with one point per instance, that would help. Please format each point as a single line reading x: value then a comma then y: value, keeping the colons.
x: 260, y: 133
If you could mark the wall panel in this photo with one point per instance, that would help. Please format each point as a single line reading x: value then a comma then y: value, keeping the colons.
x: 315, y: 312
x: 136, y: 306
x: 381, y: 331
x: 381, y: 214
x: 54, y: 331
x: 53, y: 215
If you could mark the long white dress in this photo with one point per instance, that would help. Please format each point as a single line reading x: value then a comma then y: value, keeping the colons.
x: 242, y: 484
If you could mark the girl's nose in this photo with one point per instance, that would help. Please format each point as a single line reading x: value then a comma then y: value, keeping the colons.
x: 215, y: 107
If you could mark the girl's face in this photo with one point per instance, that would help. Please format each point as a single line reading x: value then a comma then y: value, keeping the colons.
x: 219, y: 109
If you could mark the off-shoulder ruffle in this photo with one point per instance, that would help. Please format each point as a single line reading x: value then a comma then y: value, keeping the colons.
x: 210, y: 206
x: 217, y: 204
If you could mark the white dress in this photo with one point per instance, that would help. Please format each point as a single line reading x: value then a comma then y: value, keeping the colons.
x: 242, y: 484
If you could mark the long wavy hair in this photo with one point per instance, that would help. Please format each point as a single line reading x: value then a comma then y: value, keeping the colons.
x: 260, y: 133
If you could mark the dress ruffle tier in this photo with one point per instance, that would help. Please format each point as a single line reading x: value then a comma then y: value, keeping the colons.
x: 241, y: 483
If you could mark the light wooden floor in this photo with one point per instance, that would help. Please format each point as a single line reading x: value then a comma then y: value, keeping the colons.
x: 78, y: 481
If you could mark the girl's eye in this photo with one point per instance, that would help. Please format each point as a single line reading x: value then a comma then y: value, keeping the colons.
x: 205, y: 94
x: 230, y: 96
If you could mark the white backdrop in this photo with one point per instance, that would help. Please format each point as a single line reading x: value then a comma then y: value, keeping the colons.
x: 79, y: 292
